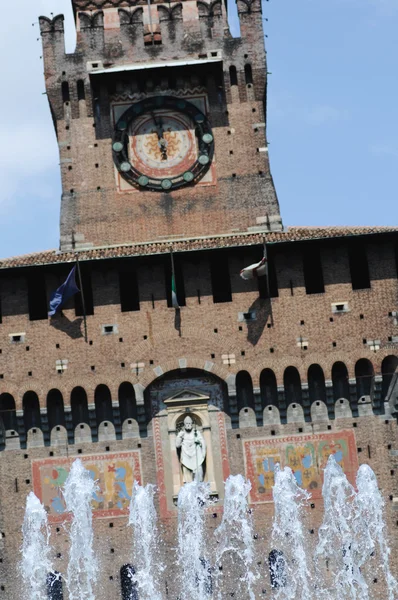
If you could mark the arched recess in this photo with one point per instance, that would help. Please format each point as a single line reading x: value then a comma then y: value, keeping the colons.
x: 341, y: 386
x: 103, y: 404
x: 364, y: 374
x: 388, y: 367
x: 31, y: 410
x: 268, y: 388
x: 127, y: 402
x: 55, y: 409
x: 7, y: 412
x: 233, y: 75
x: 79, y: 406
x: 316, y: 383
x: 127, y: 583
x: 244, y: 390
x: 248, y: 74
x: 292, y: 385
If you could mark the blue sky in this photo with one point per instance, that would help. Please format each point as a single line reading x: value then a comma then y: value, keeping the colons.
x: 332, y: 117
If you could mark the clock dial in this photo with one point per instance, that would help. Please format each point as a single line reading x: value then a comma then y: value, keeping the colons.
x: 162, y: 143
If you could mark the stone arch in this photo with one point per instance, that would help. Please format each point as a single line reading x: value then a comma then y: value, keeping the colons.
x: 341, y: 386
x: 388, y: 368
x: 103, y: 404
x: 127, y: 401
x: 55, y: 409
x: 364, y: 375
x: 292, y: 385
x: 31, y: 410
x: 316, y: 383
x: 79, y: 406
x: 268, y: 388
x: 8, y: 413
x: 244, y: 390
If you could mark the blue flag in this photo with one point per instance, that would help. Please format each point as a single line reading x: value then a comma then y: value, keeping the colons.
x: 63, y: 293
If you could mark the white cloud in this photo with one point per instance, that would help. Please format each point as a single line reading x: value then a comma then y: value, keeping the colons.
x: 322, y: 114
x: 384, y: 150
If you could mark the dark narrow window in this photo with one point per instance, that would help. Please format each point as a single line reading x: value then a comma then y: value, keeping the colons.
x: 128, y: 288
x: 269, y: 289
x: 81, y: 92
x: 7, y: 411
x: 396, y: 256
x: 312, y: 266
x: 316, y: 384
x: 220, y: 280
x: 103, y: 404
x: 1, y: 312
x: 292, y: 384
x: 88, y: 296
x: 359, y: 267
x: 233, y: 75
x: 31, y: 411
x: 127, y: 402
x: 277, y: 569
x: 364, y: 374
x: 341, y: 387
x: 268, y: 388
x: 65, y: 91
x: 388, y: 367
x: 128, y: 583
x: 37, y: 298
x: 244, y: 390
x: 79, y: 407
x: 179, y: 282
x: 55, y: 409
x: 54, y: 586
x: 248, y: 74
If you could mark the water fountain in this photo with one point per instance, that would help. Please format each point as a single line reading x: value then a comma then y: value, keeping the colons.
x: 350, y: 550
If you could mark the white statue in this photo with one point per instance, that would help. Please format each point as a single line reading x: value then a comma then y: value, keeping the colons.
x: 193, y: 451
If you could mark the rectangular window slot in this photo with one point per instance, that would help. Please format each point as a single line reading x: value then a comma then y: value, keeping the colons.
x: 129, y: 293
x: 17, y: 338
x: 313, y: 274
x: 220, y: 278
x: 247, y: 316
x: 359, y: 267
x: 340, y: 307
x: 109, y: 329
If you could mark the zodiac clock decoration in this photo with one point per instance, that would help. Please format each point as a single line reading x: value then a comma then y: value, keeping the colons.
x: 162, y: 143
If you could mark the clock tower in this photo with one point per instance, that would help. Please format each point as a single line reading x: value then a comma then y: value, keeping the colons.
x: 160, y: 117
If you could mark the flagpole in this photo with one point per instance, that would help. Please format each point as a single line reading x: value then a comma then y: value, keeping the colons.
x: 82, y: 295
x: 267, y: 281
x: 173, y: 276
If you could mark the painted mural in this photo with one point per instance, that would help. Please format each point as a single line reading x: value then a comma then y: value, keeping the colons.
x: 306, y: 455
x: 115, y: 474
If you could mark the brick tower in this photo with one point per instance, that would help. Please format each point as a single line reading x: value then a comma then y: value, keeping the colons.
x: 160, y: 118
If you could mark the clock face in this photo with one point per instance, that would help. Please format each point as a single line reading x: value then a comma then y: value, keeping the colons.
x: 162, y: 143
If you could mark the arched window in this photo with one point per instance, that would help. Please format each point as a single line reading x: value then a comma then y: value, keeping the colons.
x: 127, y: 402
x: 233, y: 75
x: 128, y: 584
x: 7, y: 411
x: 268, y: 388
x: 79, y: 407
x: 277, y: 569
x: 54, y: 586
x: 248, y: 75
x: 364, y: 374
x: 244, y: 390
x: 31, y: 411
x: 292, y: 384
x: 341, y: 387
x: 81, y: 92
x: 103, y: 404
x: 316, y: 384
x: 65, y: 91
x: 55, y: 409
x: 388, y: 366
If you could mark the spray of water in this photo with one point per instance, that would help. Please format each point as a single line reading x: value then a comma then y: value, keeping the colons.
x: 291, y: 577
x: 146, y: 558
x: 35, y: 564
x: 370, y: 506
x: 195, y: 580
x: 82, y: 568
x: 236, y: 537
x: 343, y: 536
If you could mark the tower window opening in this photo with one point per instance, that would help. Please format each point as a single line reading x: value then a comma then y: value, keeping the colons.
x: 233, y: 75
x: 359, y: 267
x: 220, y: 278
x: 248, y: 75
x: 313, y: 274
x: 129, y: 292
x: 65, y: 92
x: 81, y: 92
x: 37, y: 298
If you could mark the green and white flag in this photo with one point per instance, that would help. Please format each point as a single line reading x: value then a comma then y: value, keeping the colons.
x: 174, y: 300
